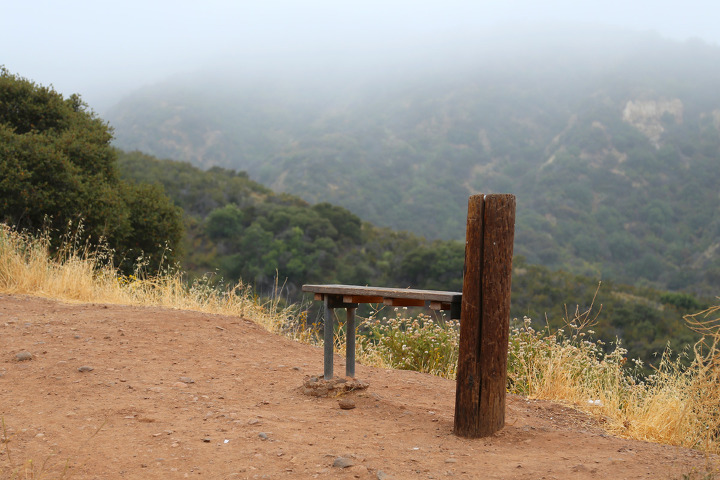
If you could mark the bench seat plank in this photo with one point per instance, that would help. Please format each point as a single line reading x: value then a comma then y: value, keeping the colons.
x: 404, y: 302
x: 359, y: 299
x: 372, y: 294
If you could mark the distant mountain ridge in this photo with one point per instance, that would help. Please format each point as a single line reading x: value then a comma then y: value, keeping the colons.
x: 611, y: 146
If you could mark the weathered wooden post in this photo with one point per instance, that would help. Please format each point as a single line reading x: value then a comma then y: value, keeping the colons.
x: 485, y: 316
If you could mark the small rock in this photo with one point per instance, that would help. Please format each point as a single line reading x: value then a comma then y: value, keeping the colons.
x: 263, y: 436
x: 85, y: 368
x: 382, y: 475
x: 451, y: 460
x: 206, y: 440
x: 360, y: 471
x: 343, y: 462
x: 187, y: 380
x: 23, y: 356
x: 180, y: 385
x: 346, y: 403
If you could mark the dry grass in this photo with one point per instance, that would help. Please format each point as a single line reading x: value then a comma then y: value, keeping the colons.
x: 31, y: 470
x: 83, y: 274
x: 704, y: 387
x: 674, y: 405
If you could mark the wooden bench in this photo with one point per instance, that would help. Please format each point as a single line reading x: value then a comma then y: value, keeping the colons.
x: 349, y: 296
x: 483, y: 308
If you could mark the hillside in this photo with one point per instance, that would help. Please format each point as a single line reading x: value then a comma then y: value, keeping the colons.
x: 168, y: 394
x: 239, y: 230
x: 610, y: 140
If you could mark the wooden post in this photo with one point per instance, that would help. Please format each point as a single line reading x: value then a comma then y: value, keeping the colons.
x: 485, y: 316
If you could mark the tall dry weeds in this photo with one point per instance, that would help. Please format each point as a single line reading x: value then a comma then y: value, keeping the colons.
x: 80, y: 273
x: 704, y: 387
x: 676, y: 404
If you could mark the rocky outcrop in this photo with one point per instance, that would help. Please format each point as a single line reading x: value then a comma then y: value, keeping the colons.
x: 647, y: 115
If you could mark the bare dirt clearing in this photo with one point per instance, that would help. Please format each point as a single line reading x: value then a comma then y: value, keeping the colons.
x: 178, y: 394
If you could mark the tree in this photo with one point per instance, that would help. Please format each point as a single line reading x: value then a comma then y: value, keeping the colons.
x: 57, y: 167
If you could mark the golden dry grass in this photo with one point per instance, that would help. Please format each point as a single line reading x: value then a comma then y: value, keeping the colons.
x: 82, y: 274
x: 675, y: 405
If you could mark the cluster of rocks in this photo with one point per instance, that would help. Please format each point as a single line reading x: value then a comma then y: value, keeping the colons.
x: 317, y: 386
x: 348, y: 462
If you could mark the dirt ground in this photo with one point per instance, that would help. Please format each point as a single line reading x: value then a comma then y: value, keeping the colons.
x: 148, y: 393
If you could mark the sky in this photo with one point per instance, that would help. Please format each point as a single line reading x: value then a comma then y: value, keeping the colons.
x: 105, y: 49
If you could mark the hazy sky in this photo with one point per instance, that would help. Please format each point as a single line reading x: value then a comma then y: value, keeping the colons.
x: 103, y: 49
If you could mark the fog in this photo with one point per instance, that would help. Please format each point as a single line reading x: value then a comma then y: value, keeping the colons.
x: 104, y: 50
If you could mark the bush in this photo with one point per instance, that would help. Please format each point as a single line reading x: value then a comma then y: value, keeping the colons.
x: 421, y: 344
x: 57, y: 168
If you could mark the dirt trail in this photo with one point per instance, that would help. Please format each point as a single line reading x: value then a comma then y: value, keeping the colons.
x: 177, y: 394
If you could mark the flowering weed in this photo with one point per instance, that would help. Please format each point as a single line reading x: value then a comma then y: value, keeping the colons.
x: 422, y: 343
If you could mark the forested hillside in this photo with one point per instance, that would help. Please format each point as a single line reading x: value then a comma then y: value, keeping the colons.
x: 59, y: 180
x: 611, y: 144
x: 238, y: 229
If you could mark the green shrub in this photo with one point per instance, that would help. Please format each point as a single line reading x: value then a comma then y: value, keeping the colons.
x: 422, y: 344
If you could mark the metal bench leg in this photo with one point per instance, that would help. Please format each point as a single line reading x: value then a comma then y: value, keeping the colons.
x: 350, y: 347
x: 328, y: 328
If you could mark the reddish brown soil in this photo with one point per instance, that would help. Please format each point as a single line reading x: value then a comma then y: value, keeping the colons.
x: 244, y: 416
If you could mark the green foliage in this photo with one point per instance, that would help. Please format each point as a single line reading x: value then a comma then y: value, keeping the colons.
x: 681, y: 301
x: 241, y: 230
x: 225, y: 223
x: 347, y: 225
x: 155, y: 231
x: 421, y: 343
x: 57, y: 169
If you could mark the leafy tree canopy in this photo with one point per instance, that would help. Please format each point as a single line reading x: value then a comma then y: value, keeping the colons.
x: 57, y: 168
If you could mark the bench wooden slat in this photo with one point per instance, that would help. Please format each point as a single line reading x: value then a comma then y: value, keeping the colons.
x: 385, y: 293
x: 362, y: 299
x: 404, y: 302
